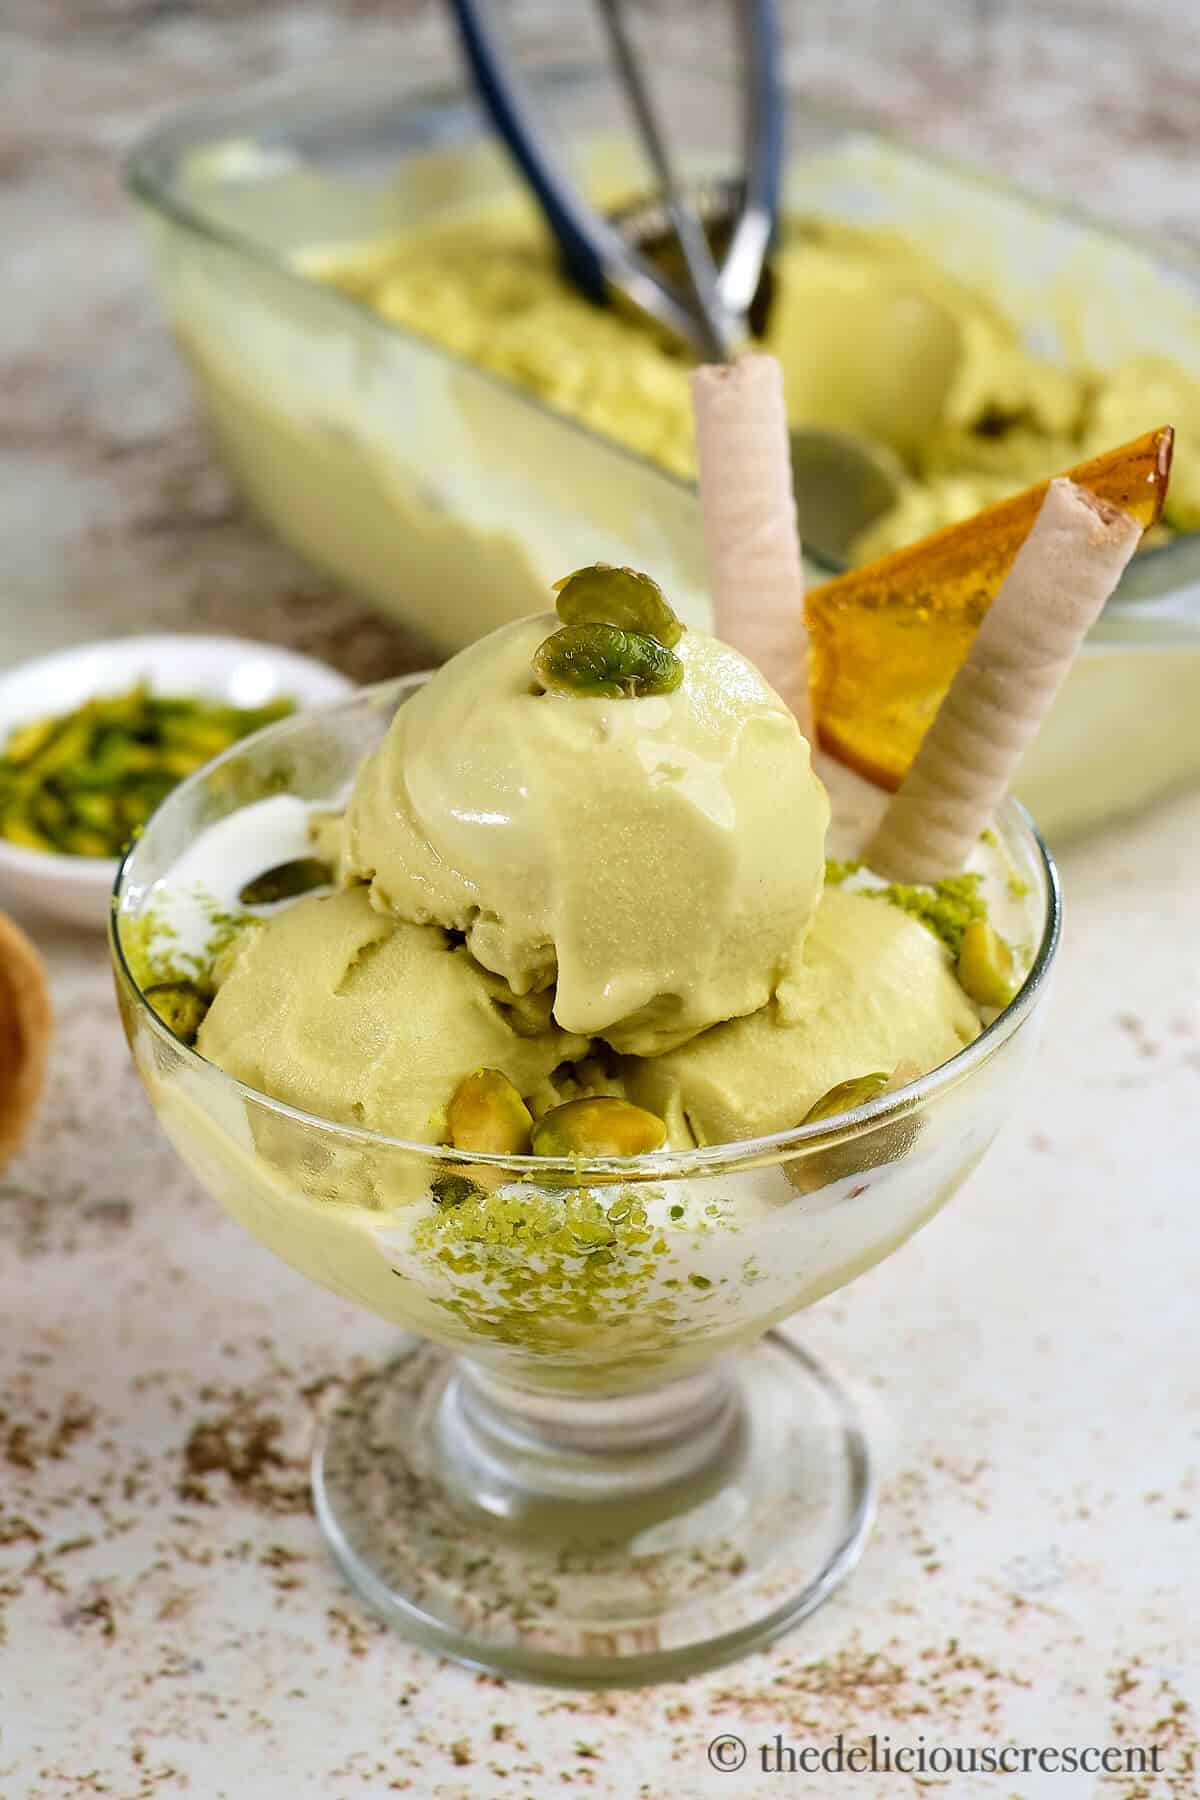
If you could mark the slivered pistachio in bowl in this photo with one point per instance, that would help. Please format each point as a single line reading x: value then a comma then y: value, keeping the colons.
x: 85, y: 781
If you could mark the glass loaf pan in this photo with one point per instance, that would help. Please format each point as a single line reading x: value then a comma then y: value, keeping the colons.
x: 452, y: 498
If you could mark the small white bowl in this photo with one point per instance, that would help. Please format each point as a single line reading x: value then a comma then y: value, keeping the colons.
x: 77, y: 889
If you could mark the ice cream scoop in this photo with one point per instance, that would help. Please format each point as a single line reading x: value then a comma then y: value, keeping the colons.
x: 337, y: 1009
x: 873, y: 992
x: 658, y: 858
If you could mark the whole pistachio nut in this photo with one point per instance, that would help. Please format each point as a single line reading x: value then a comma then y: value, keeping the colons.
x: 181, y: 1006
x: 985, y: 967
x: 451, y: 1190
x: 604, y: 595
x: 603, y: 1126
x: 854, y: 1159
x: 855, y: 1092
x: 286, y: 880
x: 486, y: 1113
x: 606, y: 662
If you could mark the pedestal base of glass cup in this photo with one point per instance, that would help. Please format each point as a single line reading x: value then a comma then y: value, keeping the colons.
x: 595, y: 1541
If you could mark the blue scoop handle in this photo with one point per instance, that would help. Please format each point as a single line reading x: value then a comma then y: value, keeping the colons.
x: 596, y: 256
x: 766, y: 108
x: 581, y: 246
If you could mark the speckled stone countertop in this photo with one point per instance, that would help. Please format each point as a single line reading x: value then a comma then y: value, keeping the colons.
x: 1029, y: 1365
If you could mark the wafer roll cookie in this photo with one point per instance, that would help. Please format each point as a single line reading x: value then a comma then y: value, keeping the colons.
x: 750, y: 521
x: 1063, y: 574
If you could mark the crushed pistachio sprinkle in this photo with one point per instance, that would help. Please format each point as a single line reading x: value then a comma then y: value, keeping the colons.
x: 155, y: 956
x: 946, y: 907
x: 544, y: 1271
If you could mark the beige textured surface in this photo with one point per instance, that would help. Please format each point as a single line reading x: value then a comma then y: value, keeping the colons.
x: 1029, y: 1363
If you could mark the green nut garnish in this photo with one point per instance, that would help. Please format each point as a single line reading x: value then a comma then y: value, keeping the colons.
x: 604, y: 595
x: 985, y: 966
x: 286, y: 880
x: 454, y: 1190
x: 855, y: 1092
x: 605, y: 662
x: 84, y: 783
x: 603, y: 1126
x: 181, y: 1006
x: 946, y: 908
x: 486, y: 1113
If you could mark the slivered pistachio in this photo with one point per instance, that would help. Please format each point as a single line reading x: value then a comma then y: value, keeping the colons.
x: 27, y: 740
x: 191, y: 736
x: 181, y: 1006
x: 97, y: 810
x: 51, y: 813
x: 604, y: 661
x: 603, y: 1126
x: 487, y: 1113
x: 604, y: 595
x: 82, y: 783
x: 112, y: 759
x: 855, y: 1092
x: 63, y: 749
x: 286, y: 880
x: 19, y: 828
x: 985, y: 966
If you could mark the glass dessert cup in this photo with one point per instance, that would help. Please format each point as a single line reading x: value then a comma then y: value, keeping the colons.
x: 592, y: 1461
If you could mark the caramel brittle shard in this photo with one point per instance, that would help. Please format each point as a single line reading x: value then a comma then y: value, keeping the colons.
x: 887, y: 639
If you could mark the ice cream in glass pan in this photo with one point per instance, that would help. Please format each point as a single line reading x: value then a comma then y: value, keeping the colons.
x: 562, y: 1009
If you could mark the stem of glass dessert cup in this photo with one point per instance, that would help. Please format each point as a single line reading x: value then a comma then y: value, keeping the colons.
x: 587, y: 1465
x: 595, y: 1540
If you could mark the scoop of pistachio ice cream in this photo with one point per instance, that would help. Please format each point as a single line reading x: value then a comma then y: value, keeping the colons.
x: 656, y: 860
x: 335, y: 1008
x: 872, y: 992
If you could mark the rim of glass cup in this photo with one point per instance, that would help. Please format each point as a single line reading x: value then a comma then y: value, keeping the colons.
x: 659, y: 1165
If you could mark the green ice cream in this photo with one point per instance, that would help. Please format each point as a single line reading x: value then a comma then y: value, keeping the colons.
x: 335, y: 1008
x: 560, y: 912
x: 598, y: 898
x: 872, y: 991
x: 654, y: 860
x: 873, y: 337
